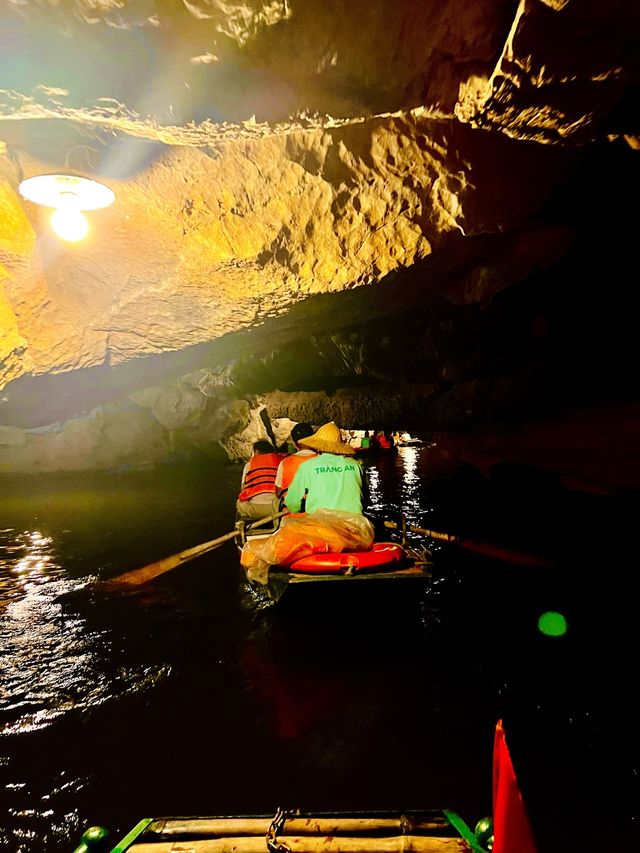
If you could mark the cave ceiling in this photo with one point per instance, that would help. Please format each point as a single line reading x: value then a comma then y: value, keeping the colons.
x: 270, y: 152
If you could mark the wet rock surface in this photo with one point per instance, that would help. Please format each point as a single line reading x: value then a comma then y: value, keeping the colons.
x: 408, y: 216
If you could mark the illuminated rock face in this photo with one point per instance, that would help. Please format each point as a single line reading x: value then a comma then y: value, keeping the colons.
x: 309, y: 196
x: 199, y: 246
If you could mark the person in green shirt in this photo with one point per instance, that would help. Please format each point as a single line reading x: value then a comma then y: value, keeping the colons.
x: 331, y: 480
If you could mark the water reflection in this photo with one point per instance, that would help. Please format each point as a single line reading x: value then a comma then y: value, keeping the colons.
x: 396, y: 474
x: 51, y: 661
x: 36, y: 558
x: 410, y: 483
x: 314, y: 703
x: 39, y: 827
x: 293, y: 702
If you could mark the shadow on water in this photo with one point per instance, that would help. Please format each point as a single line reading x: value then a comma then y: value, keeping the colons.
x: 184, y: 697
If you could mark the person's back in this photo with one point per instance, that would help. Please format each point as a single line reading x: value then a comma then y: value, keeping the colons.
x: 332, y: 480
x: 290, y: 464
x: 257, y: 498
x: 385, y: 441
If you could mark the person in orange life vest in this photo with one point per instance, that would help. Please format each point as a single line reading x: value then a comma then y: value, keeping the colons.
x: 385, y: 442
x: 258, y: 496
x: 291, y: 463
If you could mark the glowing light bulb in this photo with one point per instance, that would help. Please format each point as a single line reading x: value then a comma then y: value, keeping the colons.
x: 69, y: 195
x: 69, y: 223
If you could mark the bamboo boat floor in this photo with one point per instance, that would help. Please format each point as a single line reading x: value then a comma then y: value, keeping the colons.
x: 413, y: 832
x: 281, y: 579
x: 291, y: 577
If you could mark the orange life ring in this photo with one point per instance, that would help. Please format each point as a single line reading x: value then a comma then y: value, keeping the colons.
x: 381, y: 554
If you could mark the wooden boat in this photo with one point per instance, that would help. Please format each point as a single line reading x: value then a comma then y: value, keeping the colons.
x: 280, y: 579
x: 375, y: 451
x: 386, y: 561
x: 295, y: 832
x: 434, y: 831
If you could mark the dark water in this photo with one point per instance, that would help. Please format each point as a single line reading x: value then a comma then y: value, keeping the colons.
x: 184, y: 697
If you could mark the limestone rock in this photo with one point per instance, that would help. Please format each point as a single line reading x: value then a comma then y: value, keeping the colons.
x: 109, y: 438
x: 238, y: 445
x: 173, y: 407
x: 383, y: 210
x: 197, y: 246
x: 12, y: 437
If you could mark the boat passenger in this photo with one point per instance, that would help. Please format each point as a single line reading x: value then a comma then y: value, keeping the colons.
x: 258, y: 496
x: 385, y: 441
x: 332, y: 480
x: 354, y: 439
x: 290, y: 464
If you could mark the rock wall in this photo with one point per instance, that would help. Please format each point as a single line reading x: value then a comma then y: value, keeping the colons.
x: 200, y: 245
x: 186, y: 420
x: 413, y: 214
x: 112, y: 437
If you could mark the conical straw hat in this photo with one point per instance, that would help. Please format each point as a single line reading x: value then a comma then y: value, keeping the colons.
x: 328, y: 439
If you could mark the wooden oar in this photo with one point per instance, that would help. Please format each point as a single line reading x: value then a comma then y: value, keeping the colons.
x: 136, y: 577
x: 493, y: 551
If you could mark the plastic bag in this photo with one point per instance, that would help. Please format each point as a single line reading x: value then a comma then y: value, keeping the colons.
x: 320, y: 532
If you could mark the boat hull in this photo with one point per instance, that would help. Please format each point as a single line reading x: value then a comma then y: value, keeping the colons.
x: 322, y: 832
x: 280, y: 580
x: 386, y: 561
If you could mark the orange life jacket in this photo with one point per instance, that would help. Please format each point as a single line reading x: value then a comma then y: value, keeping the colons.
x: 261, y: 475
x: 289, y: 467
x: 384, y: 442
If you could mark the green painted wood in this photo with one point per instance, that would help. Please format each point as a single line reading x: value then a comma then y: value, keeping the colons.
x: 132, y: 836
x: 463, y: 830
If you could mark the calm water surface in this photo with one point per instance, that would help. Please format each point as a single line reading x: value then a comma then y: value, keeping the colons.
x: 185, y: 697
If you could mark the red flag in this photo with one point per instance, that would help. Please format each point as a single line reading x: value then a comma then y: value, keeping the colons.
x: 511, y: 827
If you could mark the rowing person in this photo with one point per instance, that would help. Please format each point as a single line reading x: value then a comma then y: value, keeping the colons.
x: 324, y: 501
x: 290, y: 464
x: 258, y: 496
x: 331, y: 480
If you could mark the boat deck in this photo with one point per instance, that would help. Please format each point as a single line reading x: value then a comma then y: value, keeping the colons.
x: 392, y: 574
x: 280, y: 579
x: 413, y: 832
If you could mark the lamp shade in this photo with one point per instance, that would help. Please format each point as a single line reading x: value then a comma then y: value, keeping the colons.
x: 66, y: 190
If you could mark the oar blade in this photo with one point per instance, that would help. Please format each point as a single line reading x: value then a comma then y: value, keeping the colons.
x: 505, y: 555
x: 493, y: 552
x: 138, y: 577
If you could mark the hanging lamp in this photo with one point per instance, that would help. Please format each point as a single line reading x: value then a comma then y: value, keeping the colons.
x: 69, y: 195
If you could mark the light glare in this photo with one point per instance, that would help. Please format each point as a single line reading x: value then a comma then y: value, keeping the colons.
x: 552, y: 624
x: 70, y: 224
